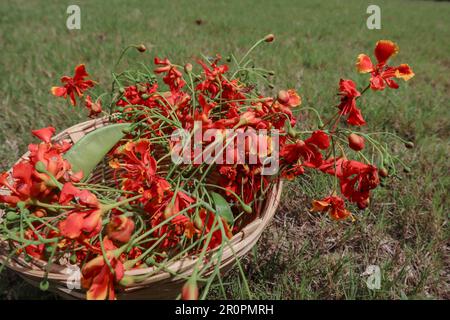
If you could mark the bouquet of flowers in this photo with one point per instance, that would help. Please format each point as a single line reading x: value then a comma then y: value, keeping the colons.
x: 186, y: 162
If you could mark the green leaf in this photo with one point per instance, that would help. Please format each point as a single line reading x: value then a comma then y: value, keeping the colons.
x: 222, y: 207
x: 87, y: 153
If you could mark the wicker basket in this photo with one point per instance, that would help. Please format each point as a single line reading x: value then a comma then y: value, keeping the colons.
x: 158, y: 284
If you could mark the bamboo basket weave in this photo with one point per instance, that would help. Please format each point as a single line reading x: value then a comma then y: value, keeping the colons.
x: 159, y: 284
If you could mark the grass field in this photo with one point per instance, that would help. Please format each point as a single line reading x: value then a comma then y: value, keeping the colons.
x: 302, y: 255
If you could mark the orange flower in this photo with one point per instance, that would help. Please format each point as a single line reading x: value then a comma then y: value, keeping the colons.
x: 381, y: 73
x: 97, y: 276
x: 87, y: 219
x: 334, y: 205
x: 94, y: 107
x: 120, y: 228
x: 76, y: 85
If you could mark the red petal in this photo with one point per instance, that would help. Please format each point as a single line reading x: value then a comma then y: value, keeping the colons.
x: 100, y: 285
x: 364, y: 64
x: 88, y: 198
x: 385, y: 49
x: 71, y: 227
x: 377, y: 83
x: 404, y: 72
x: 80, y: 72
x: 119, y: 271
x: 320, y: 139
x: 59, y: 91
x: 355, y: 117
x: 44, y: 134
x: 68, y: 192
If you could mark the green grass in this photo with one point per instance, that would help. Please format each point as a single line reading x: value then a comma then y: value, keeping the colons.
x: 301, y: 256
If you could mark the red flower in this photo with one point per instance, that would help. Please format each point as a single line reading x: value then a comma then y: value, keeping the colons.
x: 381, y: 73
x: 20, y: 183
x: 139, y: 165
x: 308, y: 150
x: 293, y: 172
x: 97, y: 275
x: 94, y: 107
x: 357, y: 180
x: 76, y: 85
x: 320, y: 139
x: 26, y: 183
x: 213, y: 77
x: 120, y: 228
x: 205, y: 110
x: 210, y: 222
x: 84, y: 219
x: 173, y: 77
x: 334, y: 205
x: 348, y: 93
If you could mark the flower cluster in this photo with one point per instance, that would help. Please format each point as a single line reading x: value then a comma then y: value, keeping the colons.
x: 148, y: 211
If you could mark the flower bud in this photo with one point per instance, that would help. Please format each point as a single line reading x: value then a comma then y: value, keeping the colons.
x: 383, y: 172
x: 355, y: 142
x: 269, y: 38
x: 407, y: 169
x: 40, y: 213
x: 271, y: 86
x: 188, y: 68
x: 283, y: 97
x: 189, y: 290
x: 409, y: 145
x: 141, y: 48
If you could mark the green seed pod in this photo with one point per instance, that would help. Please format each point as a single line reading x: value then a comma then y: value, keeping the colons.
x: 150, y: 261
x: 291, y: 132
x: 246, y: 208
x: 73, y: 259
x: 11, y: 216
x: 44, y: 284
x: 21, y: 205
x: 49, y: 249
x: 126, y: 281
